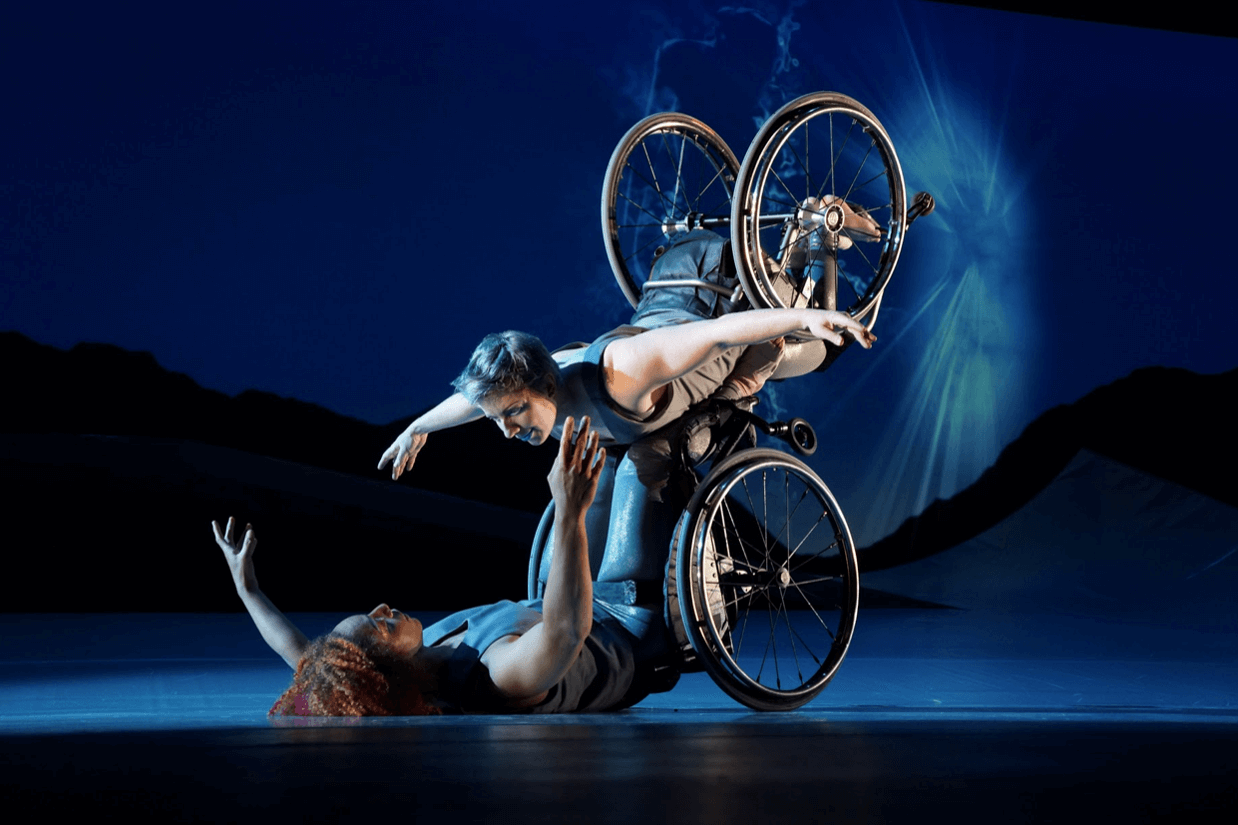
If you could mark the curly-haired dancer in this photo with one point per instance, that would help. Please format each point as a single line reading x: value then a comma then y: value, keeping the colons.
x: 549, y: 655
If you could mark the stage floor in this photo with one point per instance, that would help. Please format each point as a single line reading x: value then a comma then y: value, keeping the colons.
x: 988, y: 716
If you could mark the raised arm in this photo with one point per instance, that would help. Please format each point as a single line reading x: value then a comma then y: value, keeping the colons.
x: 403, y: 451
x: 525, y: 667
x: 637, y: 366
x: 281, y: 634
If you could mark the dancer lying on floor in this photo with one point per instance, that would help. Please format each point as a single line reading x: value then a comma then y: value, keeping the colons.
x: 552, y: 655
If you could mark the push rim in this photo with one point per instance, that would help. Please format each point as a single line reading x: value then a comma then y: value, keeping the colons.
x: 816, y: 150
x: 669, y: 174
x: 772, y: 579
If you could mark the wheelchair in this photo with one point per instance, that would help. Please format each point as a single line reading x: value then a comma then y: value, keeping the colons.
x: 762, y: 583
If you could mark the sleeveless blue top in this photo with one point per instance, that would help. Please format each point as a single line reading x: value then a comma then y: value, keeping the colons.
x: 598, y: 680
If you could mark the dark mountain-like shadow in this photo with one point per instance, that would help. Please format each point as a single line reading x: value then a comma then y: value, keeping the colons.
x: 114, y: 456
x: 105, y: 390
x: 121, y: 465
x: 1170, y: 423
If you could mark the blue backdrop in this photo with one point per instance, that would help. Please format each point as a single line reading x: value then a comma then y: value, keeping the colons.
x: 334, y: 202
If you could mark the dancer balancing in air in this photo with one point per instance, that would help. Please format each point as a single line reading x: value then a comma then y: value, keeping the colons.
x: 556, y: 654
x: 633, y: 383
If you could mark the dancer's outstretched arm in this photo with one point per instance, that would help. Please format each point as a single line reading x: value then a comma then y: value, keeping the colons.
x: 278, y: 632
x: 525, y: 667
x: 452, y: 412
x: 638, y: 366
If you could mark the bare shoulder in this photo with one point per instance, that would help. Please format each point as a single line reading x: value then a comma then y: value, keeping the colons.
x: 503, y: 660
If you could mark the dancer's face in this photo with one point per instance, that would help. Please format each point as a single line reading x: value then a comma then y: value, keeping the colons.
x: 523, y: 414
x: 391, y: 628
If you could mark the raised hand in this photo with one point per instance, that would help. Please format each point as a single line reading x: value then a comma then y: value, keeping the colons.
x: 574, y: 476
x: 403, y: 452
x: 240, y: 555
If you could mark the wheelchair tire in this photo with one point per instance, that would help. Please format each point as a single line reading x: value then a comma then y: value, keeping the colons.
x: 782, y: 182
x: 763, y: 547
x: 669, y: 174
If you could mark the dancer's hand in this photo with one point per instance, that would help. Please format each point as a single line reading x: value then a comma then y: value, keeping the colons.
x: 831, y: 325
x: 240, y: 556
x: 574, y: 476
x: 403, y: 452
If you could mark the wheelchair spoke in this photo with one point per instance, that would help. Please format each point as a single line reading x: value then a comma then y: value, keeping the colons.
x: 884, y: 173
x: 652, y: 172
x: 857, y: 248
x: 748, y: 590
x: 807, y: 167
x: 792, y: 635
x: 815, y: 613
x: 804, y: 644
x: 678, y: 165
x: 749, y: 597
x: 780, y: 611
x: 739, y: 539
x: 774, y: 197
x: 786, y: 496
x: 744, y: 630
x: 643, y: 247
x: 743, y: 563
x: 770, y: 646
x: 864, y: 162
x: 797, y: 547
x: 834, y: 158
x: 809, y: 558
x: 657, y: 191
x: 818, y: 580
x: 803, y: 164
x: 765, y: 513
x: 784, y: 186
x: 657, y: 219
x: 654, y: 238
x: 790, y: 514
x: 764, y: 535
x: 725, y: 196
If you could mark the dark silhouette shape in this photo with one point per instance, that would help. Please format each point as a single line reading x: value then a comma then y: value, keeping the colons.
x: 1171, y: 423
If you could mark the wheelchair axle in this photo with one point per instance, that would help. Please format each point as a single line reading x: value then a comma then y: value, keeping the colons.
x: 672, y: 226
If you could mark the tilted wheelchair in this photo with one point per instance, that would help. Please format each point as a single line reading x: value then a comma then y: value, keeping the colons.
x: 762, y: 585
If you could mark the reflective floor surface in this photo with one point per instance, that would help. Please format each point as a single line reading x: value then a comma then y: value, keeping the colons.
x: 972, y: 715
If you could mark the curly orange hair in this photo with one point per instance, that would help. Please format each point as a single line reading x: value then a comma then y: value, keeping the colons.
x: 335, y: 677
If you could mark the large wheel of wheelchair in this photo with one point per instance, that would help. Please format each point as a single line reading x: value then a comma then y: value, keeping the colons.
x: 767, y: 580
x: 669, y: 174
x: 819, y: 202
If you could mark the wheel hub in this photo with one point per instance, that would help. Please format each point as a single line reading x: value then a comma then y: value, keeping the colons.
x: 672, y: 225
x: 783, y: 577
x: 816, y: 213
x: 834, y: 217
